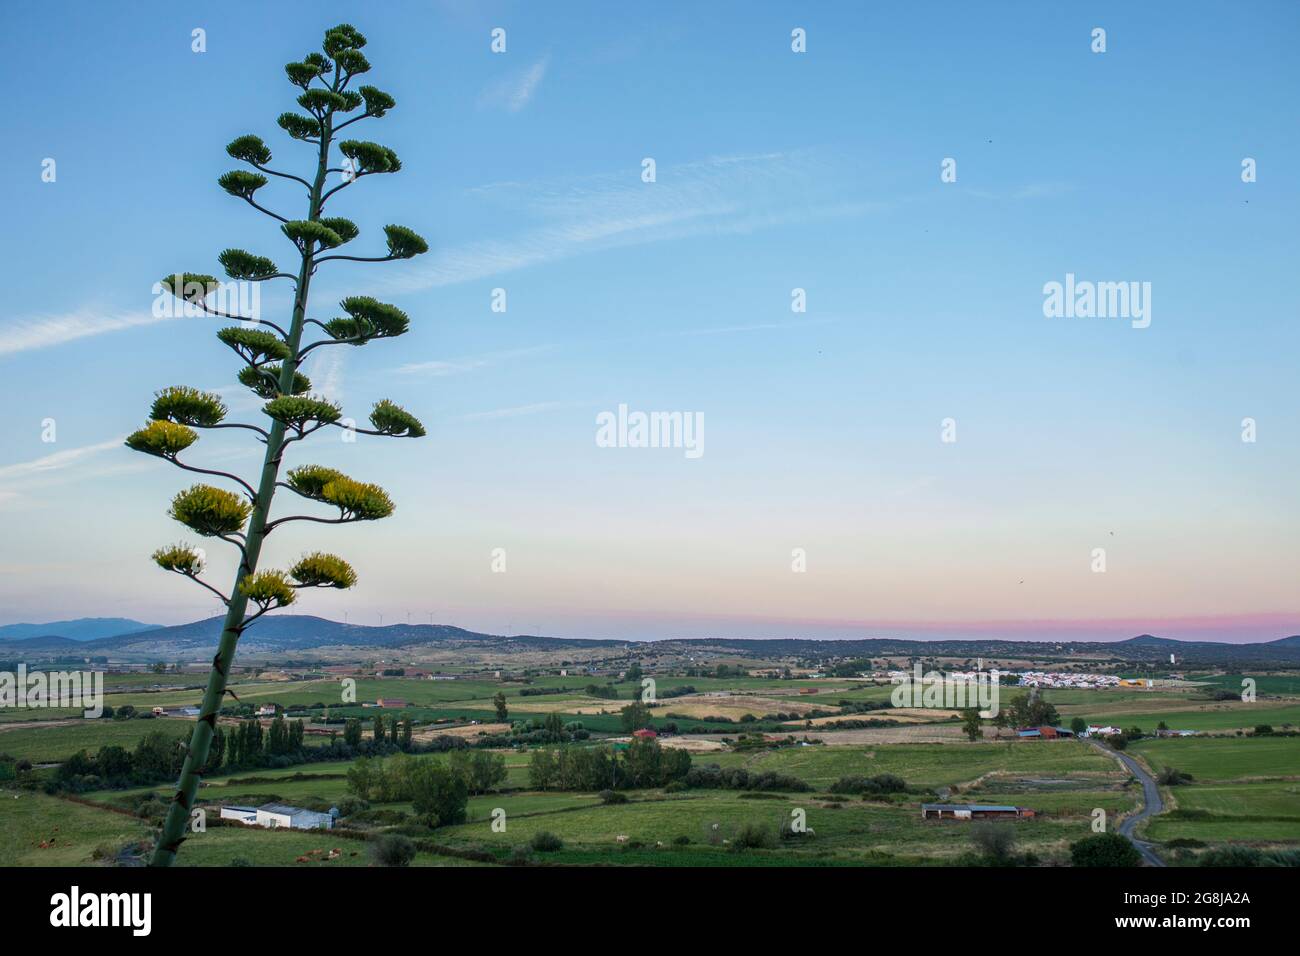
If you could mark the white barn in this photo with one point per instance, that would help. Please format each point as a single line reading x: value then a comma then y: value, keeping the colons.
x: 276, y: 815
x: 239, y: 814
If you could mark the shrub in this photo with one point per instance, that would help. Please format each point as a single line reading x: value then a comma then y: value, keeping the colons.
x: 382, y: 816
x: 881, y: 783
x: 1248, y: 856
x: 1104, y: 849
x: 151, y: 808
x: 1171, y: 777
x: 393, y: 850
x: 770, y: 780
x: 612, y: 796
x: 682, y: 840
x: 714, y: 777
x: 1231, y: 856
x: 351, y: 805
x: 788, y: 831
x: 544, y: 841
x: 995, y: 841
x: 520, y: 856
x: 753, y: 836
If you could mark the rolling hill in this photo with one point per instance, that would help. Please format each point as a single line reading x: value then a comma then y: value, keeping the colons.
x: 297, y: 632
x: 82, y: 629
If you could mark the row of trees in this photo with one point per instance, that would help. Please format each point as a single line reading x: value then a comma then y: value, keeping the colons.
x: 1027, y: 710
x: 395, y: 731
x: 156, y: 757
x: 159, y: 756
x: 436, y: 789
x: 642, y: 764
x: 550, y: 729
x: 252, y: 745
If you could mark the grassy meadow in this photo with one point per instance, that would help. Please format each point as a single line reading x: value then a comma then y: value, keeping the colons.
x: 1242, y: 788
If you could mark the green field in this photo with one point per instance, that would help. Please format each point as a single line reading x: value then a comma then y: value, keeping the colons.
x: 219, y: 845
x: 1244, y: 788
x: 854, y: 832
x: 1232, y: 813
x: 1267, y: 684
x: 324, y: 782
x: 28, y: 819
x: 57, y: 742
x: 1223, y: 758
x: 1212, y: 717
x: 927, y: 765
x: 847, y: 832
x: 1071, y: 700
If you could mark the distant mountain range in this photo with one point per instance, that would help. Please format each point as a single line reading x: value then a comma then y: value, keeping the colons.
x: 82, y: 629
x: 295, y: 632
x: 280, y: 632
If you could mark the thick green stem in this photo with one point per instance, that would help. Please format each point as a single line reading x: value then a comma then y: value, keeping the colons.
x: 178, y: 814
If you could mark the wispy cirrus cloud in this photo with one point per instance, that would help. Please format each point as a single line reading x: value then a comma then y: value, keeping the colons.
x: 516, y: 90
x: 19, y: 480
x: 1043, y: 190
x: 721, y: 195
x: 559, y: 220
x: 41, y: 331
x: 515, y: 411
x: 564, y: 219
x: 58, y: 461
x: 437, y: 368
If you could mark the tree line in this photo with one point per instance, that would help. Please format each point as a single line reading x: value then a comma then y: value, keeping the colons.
x: 642, y: 764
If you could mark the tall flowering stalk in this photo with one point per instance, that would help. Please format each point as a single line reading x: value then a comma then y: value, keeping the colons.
x: 272, y: 355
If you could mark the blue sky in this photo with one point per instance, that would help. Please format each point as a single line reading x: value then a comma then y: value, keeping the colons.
x: 775, y: 171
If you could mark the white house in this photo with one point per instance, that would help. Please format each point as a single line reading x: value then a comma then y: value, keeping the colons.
x: 1099, y: 730
x: 239, y: 814
x: 276, y: 815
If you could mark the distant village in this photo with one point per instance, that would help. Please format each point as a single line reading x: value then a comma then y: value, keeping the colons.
x: 1045, y: 679
x: 1084, y: 681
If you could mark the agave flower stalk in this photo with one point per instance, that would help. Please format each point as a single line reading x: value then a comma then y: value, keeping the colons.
x: 272, y: 355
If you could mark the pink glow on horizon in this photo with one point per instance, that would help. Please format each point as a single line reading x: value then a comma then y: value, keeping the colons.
x: 1226, y: 628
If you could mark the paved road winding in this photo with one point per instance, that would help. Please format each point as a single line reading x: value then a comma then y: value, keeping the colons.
x: 1151, y: 804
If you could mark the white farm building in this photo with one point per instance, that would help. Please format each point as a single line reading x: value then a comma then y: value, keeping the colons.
x: 295, y: 818
x: 279, y: 815
x: 239, y: 814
